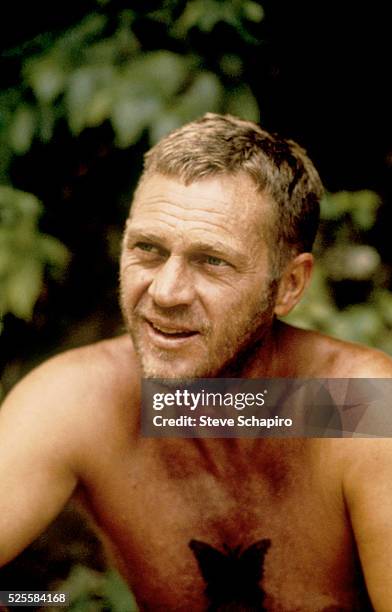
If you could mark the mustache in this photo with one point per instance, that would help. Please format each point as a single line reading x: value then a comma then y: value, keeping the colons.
x: 179, y: 316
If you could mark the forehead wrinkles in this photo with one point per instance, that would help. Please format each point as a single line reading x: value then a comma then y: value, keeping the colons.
x: 192, y: 223
x: 219, y: 191
x: 182, y: 204
x: 226, y: 205
x: 202, y: 212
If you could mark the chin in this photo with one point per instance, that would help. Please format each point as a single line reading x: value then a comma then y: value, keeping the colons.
x: 173, y: 367
x: 168, y: 371
x: 183, y: 366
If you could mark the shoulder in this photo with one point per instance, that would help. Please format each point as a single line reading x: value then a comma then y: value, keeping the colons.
x: 367, y: 482
x: 319, y: 355
x: 351, y: 360
x: 97, y: 368
x: 77, y: 392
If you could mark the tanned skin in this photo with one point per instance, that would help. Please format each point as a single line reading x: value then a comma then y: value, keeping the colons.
x: 296, y: 524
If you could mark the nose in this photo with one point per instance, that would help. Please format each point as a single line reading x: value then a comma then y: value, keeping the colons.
x: 172, y: 284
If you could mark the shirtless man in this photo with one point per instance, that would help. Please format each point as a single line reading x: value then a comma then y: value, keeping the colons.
x: 217, y: 245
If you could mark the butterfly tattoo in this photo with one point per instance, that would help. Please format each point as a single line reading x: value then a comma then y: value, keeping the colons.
x: 232, y: 576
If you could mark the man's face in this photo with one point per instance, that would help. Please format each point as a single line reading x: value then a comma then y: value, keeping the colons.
x: 195, y: 285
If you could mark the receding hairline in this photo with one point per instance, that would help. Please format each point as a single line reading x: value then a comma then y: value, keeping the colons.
x: 223, y: 145
x: 265, y: 199
x: 236, y: 178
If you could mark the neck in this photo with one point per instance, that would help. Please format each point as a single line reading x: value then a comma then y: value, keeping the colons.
x: 259, y: 359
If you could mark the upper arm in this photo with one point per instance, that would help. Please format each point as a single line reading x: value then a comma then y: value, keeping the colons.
x: 37, y: 474
x: 368, y: 491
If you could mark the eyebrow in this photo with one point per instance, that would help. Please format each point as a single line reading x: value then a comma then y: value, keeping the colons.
x: 216, y: 247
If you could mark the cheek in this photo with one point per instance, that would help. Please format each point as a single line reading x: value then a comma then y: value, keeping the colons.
x: 224, y: 307
x: 131, y: 271
x: 234, y: 308
x: 234, y: 296
x: 134, y: 282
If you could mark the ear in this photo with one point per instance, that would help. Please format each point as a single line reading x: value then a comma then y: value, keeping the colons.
x: 293, y: 282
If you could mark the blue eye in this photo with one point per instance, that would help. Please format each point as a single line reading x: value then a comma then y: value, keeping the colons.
x: 215, y: 261
x: 147, y: 247
x: 144, y: 246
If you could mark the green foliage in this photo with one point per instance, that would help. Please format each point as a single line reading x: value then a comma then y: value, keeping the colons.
x: 101, y: 71
x: 25, y: 252
x: 92, y: 74
x: 206, y: 14
x: 91, y: 591
x: 361, y: 206
x: 98, y: 72
x: 343, y: 256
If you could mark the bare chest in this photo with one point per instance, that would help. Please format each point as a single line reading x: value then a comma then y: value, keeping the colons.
x: 227, y: 537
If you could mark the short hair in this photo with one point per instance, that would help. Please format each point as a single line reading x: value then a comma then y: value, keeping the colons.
x: 225, y: 145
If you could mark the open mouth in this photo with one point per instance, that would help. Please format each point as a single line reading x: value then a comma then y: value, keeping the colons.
x: 171, y: 333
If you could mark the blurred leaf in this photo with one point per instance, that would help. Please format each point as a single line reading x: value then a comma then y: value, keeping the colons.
x: 116, y: 49
x: 242, y: 103
x: 52, y: 251
x: 23, y: 287
x: 362, y: 205
x: 358, y: 323
x: 80, y: 90
x: 231, y: 65
x: 46, y: 78
x: 165, y: 122
x: 205, y: 14
x: 253, y: 11
x: 84, y: 87
x: 383, y: 299
x: 201, y: 13
x: 24, y: 252
x: 351, y: 261
x: 100, y: 107
x: 384, y: 342
x: 80, y: 35
x: 117, y: 594
x: 130, y: 117
x: 334, y: 206
x: 6, y: 256
x: 364, y: 209
x: 47, y: 120
x: 82, y: 586
x: 15, y: 205
x: 95, y: 591
x: 157, y: 73
x: 204, y: 94
x: 22, y: 128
